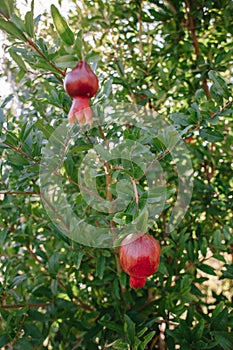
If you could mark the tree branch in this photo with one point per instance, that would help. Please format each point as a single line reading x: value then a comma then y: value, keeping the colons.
x: 192, y: 28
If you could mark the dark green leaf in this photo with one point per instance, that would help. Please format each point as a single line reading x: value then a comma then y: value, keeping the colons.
x: 129, y: 328
x: 207, y: 269
x: 224, y: 339
x: 219, y: 83
x: 100, y: 266
x: 227, y: 271
x: 198, y: 330
x: 111, y: 325
x: 120, y: 67
x: 211, y: 135
x: 53, y: 263
x: 23, y: 344
x: 4, y: 340
x: 32, y: 330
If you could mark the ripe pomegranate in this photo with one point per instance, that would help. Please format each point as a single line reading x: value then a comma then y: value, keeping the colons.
x: 139, y: 257
x: 81, y: 84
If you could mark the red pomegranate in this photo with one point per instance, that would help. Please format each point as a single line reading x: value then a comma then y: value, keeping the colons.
x: 139, y: 257
x: 81, y: 84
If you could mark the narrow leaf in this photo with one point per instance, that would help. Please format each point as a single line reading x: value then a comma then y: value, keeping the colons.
x: 130, y: 329
x: 207, y: 269
x: 17, y: 58
x: 100, y: 267
x: 225, y: 340
x: 120, y: 67
x: 7, y: 7
x: 11, y: 29
x: 7, y: 99
x: 29, y: 24
x: 146, y: 340
x: 62, y: 27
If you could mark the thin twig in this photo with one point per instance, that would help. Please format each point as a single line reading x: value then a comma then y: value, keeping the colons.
x: 27, y: 306
x: 33, y: 45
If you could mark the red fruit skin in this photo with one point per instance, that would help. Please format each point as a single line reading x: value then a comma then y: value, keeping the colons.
x: 137, y: 283
x: 81, y: 81
x: 139, y: 257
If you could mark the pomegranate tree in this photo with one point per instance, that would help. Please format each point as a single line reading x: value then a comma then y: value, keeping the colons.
x: 139, y: 257
x: 81, y: 84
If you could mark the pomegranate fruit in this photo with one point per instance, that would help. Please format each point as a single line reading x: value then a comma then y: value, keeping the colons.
x: 81, y: 84
x: 139, y: 257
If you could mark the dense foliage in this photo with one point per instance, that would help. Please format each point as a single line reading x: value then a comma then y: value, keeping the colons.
x: 165, y: 69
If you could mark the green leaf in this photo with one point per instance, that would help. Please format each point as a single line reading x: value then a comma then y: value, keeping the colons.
x: 227, y: 271
x: 129, y: 328
x: 53, y: 263
x: 18, y: 280
x: 142, y: 221
x: 111, y: 325
x: 116, y: 289
x: 3, y: 234
x: 7, y: 99
x: 46, y: 129
x: 79, y: 258
x: 62, y: 27
x: 29, y: 24
x: 32, y: 330
x: 18, y: 59
x: 146, y: 340
x: 207, y: 269
x: 211, y: 135
x: 119, y: 345
x: 198, y: 330
x: 120, y: 67
x: 225, y: 339
x: 66, y: 61
x: 100, y: 266
x: 2, y: 116
x: 11, y: 29
x: 219, y: 83
x: 23, y: 344
x: 4, y: 340
x: 220, y: 319
x: 7, y: 7
x: 180, y: 119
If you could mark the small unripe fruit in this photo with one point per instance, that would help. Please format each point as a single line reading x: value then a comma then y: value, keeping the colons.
x: 139, y: 257
x: 81, y: 84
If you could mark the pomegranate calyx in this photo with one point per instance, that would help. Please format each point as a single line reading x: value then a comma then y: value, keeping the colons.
x: 137, y: 283
x: 80, y: 110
